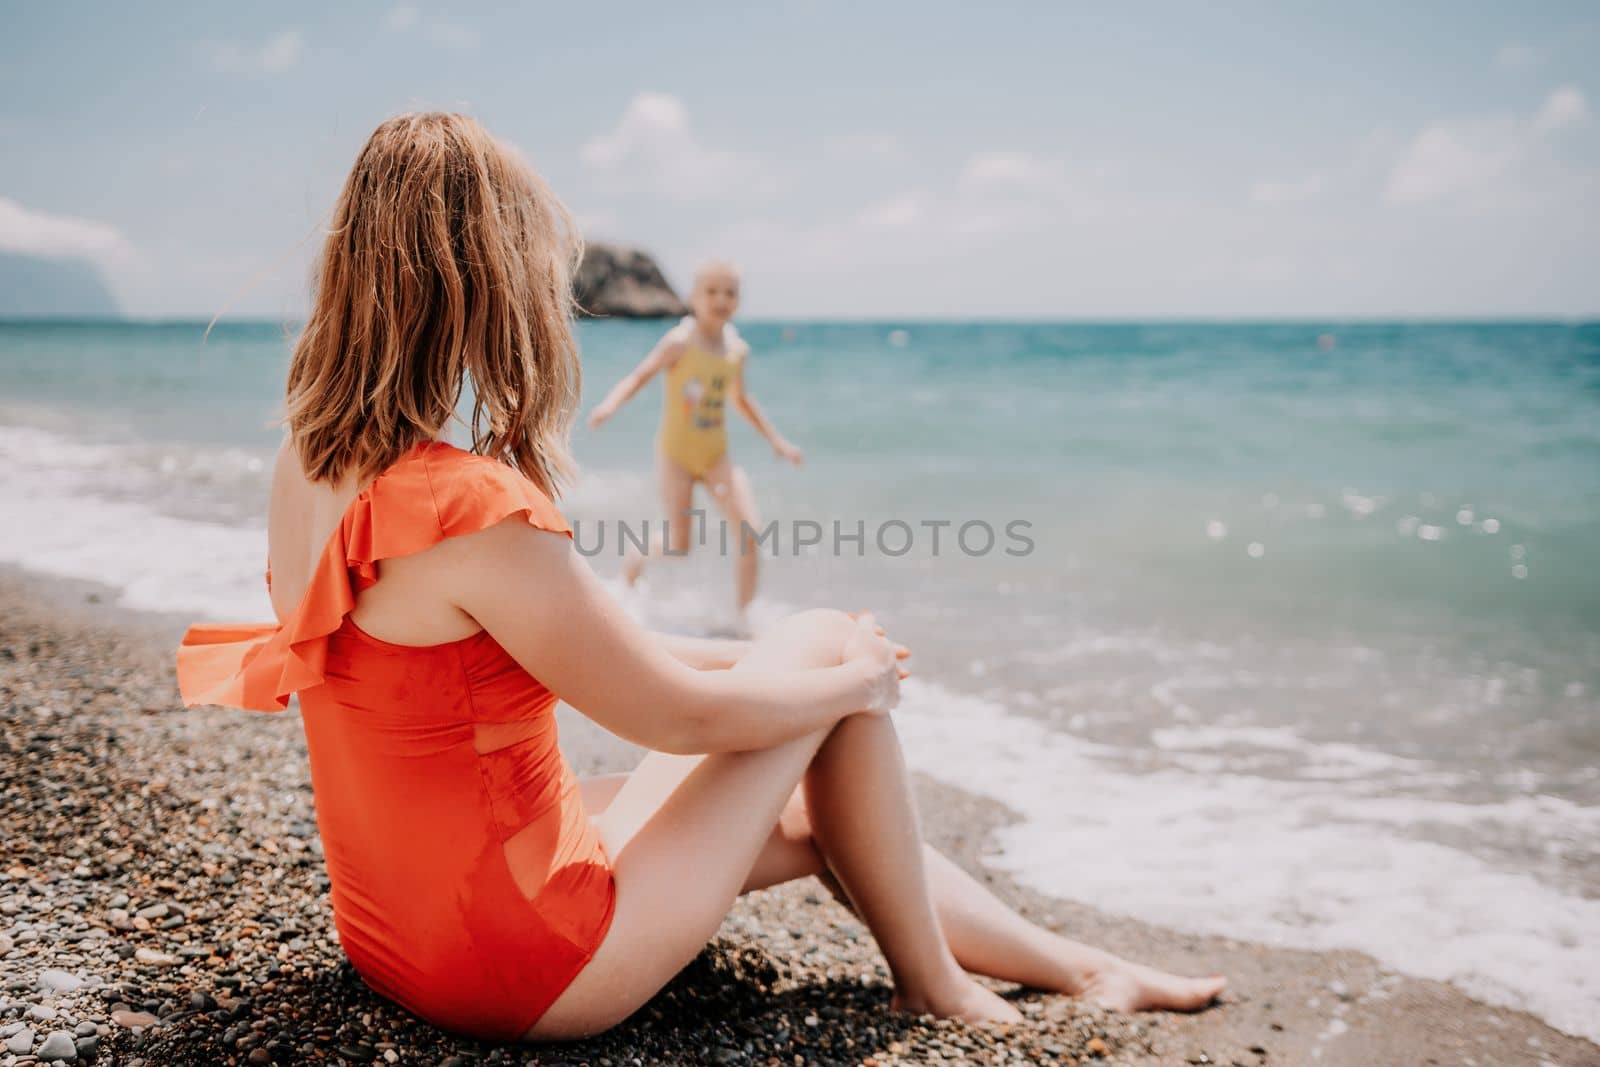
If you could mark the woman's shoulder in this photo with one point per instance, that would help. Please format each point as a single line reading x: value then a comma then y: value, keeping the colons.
x: 470, y: 492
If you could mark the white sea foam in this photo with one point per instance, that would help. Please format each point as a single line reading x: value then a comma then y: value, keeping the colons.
x: 105, y: 513
x: 57, y: 524
x: 1300, y: 863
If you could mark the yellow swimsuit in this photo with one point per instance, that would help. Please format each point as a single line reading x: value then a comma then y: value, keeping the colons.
x: 693, y: 433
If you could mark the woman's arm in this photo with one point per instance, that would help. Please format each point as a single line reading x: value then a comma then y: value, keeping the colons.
x: 746, y: 403
x: 538, y: 598
x: 663, y: 355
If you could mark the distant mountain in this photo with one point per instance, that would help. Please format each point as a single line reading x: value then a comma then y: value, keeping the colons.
x: 613, y: 281
x: 619, y: 282
x: 36, y: 287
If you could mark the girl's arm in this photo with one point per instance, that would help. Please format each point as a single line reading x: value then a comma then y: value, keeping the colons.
x: 538, y: 598
x: 662, y: 356
x: 746, y: 403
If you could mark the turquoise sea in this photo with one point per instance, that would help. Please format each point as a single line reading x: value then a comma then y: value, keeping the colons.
x: 1305, y: 646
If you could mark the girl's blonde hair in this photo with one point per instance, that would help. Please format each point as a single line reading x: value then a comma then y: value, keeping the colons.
x: 448, y: 259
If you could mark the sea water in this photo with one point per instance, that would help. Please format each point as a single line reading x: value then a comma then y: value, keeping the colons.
x: 1286, y: 631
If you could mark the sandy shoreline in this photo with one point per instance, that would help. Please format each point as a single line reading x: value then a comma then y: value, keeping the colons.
x: 203, y: 821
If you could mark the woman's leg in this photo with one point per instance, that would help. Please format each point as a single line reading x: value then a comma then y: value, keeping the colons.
x: 684, y: 834
x: 985, y: 935
x: 676, y: 486
x: 990, y: 938
x: 730, y: 488
x: 864, y: 823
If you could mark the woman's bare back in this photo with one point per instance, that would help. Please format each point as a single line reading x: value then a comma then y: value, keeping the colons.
x: 408, y: 606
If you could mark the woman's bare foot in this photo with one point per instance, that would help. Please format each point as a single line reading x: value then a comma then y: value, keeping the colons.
x: 967, y: 1001
x: 1129, y: 987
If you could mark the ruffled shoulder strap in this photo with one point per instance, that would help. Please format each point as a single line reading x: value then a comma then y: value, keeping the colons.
x: 434, y: 492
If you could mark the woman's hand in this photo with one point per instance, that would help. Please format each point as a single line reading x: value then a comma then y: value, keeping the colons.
x: 602, y: 411
x: 879, y: 659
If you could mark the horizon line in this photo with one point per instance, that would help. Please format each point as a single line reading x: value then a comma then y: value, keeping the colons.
x: 1304, y: 319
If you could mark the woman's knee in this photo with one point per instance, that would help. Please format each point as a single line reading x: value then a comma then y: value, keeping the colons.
x: 825, y: 624
x: 806, y: 639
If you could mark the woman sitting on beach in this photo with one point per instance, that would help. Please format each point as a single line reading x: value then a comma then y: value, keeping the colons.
x: 432, y: 610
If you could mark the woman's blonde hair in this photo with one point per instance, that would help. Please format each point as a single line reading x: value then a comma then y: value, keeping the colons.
x: 448, y: 260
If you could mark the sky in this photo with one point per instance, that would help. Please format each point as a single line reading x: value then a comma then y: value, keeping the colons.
x: 1051, y: 160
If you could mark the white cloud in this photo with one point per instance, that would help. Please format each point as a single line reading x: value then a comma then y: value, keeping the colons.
x: 277, y: 53
x: 1514, y: 55
x: 1564, y: 107
x: 401, y: 17
x: 1008, y: 168
x: 1451, y: 157
x: 897, y: 212
x: 1009, y: 191
x: 409, y: 18
x: 1268, y: 191
x: 1455, y: 156
x: 39, y: 233
x: 982, y: 222
x: 651, y: 122
x: 653, y: 147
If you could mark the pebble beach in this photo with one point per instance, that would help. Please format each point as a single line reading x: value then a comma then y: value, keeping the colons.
x: 163, y: 901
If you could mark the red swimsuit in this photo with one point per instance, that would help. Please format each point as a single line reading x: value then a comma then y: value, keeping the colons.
x: 417, y: 824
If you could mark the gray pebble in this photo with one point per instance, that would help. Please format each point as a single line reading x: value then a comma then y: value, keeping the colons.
x: 54, y: 981
x: 20, y: 1042
x: 59, y: 1047
x: 43, y: 1013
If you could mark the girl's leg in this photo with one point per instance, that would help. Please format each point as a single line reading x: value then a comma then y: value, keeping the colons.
x: 677, y: 498
x: 683, y: 834
x: 730, y: 488
x: 984, y: 934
